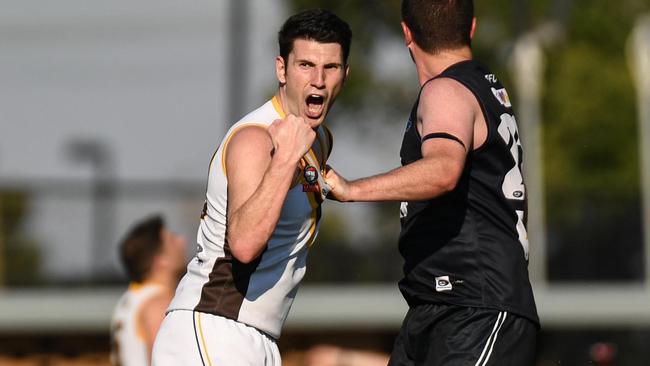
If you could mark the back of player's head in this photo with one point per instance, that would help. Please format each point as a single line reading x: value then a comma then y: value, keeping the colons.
x: 438, y: 25
x: 316, y: 25
x: 140, y: 245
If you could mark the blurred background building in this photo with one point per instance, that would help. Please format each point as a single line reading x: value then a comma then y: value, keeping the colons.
x: 110, y: 111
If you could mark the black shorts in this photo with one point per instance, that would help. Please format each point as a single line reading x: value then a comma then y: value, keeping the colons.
x: 448, y: 335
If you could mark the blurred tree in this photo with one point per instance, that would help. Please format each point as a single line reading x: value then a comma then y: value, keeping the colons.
x: 592, y: 149
x: 19, y: 254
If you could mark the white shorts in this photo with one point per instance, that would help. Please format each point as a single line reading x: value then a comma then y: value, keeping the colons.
x: 192, y: 338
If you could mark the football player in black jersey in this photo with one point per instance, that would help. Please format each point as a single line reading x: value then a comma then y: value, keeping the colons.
x: 463, y: 210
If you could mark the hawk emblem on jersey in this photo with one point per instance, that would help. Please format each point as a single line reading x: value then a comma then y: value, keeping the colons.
x: 311, y: 177
x: 311, y: 174
x: 502, y: 97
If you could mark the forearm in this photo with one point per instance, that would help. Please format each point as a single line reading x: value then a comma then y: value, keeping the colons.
x: 251, y: 225
x: 424, y: 179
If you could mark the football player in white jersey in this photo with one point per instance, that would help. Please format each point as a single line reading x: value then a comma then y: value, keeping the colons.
x: 154, y: 258
x: 262, y: 209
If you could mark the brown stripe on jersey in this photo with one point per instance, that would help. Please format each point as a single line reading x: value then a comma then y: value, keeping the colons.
x: 227, y: 285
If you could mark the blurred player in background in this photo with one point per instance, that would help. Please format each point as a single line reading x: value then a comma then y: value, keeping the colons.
x: 463, y: 207
x: 154, y: 258
x: 262, y: 209
x: 329, y: 355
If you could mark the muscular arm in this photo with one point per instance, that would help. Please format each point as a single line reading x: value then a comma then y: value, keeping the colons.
x: 260, y: 167
x: 445, y: 106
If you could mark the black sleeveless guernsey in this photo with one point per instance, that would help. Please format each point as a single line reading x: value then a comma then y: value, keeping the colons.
x: 469, y: 247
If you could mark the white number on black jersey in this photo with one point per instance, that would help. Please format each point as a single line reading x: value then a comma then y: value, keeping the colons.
x: 513, y: 183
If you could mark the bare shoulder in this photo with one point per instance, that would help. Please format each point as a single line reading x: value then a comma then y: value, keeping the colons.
x: 250, y: 137
x: 447, y: 106
x: 445, y: 90
x: 447, y: 98
x: 249, y: 142
x: 159, y: 301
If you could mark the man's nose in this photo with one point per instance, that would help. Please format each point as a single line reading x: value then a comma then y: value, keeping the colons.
x: 318, y: 78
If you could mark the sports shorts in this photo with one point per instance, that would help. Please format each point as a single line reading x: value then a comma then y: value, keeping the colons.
x: 199, y: 339
x: 449, y: 335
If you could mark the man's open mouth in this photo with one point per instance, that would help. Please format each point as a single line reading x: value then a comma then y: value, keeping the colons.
x: 315, y: 104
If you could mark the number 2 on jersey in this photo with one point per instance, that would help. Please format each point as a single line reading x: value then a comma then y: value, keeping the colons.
x: 513, y: 183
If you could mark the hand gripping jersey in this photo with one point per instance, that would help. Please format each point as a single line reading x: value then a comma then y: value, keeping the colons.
x: 469, y: 247
x: 128, y: 346
x: 259, y: 293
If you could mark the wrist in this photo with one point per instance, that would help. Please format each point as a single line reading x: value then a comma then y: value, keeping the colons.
x: 352, y: 191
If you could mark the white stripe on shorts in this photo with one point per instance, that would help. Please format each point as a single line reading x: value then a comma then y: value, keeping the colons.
x: 489, y: 345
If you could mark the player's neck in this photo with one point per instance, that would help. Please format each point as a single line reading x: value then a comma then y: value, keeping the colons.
x: 429, y: 65
x: 281, y: 98
x: 162, y: 278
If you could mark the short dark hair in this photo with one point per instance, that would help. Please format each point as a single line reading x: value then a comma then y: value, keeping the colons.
x: 439, y: 24
x: 317, y: 25
x: 140, y: 245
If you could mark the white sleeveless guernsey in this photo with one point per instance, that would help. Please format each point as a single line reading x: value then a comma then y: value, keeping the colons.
x: 259, y: 293
x: 128, y: 346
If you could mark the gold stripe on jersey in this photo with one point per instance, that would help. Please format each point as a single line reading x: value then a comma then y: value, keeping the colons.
x: 314, y: 160
x: 278, y: 106
x: 205, y: 348
x: 225, y: 143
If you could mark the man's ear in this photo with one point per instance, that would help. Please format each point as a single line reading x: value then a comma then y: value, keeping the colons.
x: 408, y: 36
x: 280, y: 69
x: 473, y: 30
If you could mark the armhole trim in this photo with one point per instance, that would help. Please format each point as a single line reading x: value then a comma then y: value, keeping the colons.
x: 227, y: 141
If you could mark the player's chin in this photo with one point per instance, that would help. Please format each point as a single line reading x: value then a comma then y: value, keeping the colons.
x: 314, y: 120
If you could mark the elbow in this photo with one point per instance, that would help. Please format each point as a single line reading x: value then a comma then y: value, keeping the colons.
x: 242, y: 255
x: 448, y: 185
x: 245, y: 251
x: 445, y: 184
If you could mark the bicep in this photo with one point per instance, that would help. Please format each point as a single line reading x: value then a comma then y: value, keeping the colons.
x: 247, y: 157
x: 446, y: 115
x: 447, y: 111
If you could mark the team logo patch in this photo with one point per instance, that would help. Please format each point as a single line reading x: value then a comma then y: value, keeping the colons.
x: 443, y: 284
x: 502, y: 97
x: 311, y: 177
x: 311, y: 174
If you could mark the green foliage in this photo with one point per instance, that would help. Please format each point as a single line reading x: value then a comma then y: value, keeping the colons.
x: 19, y: 255
x: 590, y: 122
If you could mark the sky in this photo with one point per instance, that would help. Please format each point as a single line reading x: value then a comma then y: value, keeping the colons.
x: 144, y: 77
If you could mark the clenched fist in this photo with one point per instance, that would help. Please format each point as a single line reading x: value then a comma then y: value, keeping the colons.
x: 292, y: 137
